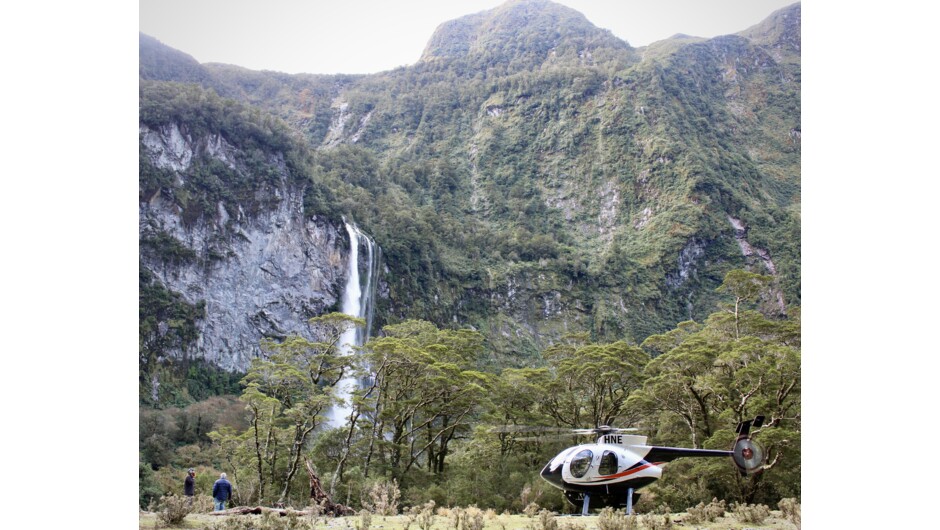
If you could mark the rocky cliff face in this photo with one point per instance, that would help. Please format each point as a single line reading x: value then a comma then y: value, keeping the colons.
x: 530, y: 176
x: 259, y: 275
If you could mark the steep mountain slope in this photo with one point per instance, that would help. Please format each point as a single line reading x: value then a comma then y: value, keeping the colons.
x: 533, y: 175
x: 523, y: 35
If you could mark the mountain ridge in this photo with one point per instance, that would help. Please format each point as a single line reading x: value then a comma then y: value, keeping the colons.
x: 528, y: 195
x: 524, y: 34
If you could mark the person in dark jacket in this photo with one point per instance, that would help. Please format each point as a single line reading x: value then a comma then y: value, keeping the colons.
x: 189, y: 485
x: 221, y: 492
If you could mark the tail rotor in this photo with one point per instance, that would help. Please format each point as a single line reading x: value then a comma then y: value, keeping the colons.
x: 747, y: 454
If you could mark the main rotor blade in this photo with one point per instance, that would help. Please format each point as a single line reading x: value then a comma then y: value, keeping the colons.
x: 546, y: 438
x: 527, y: 428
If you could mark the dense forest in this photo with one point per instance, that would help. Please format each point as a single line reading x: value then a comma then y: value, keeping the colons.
x: 425, y: 421
x: 574, y: 233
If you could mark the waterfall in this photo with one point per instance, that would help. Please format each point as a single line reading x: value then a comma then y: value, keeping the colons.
x: 358, y: 301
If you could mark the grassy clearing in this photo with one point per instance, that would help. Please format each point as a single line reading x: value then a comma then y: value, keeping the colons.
x: 776, y: 521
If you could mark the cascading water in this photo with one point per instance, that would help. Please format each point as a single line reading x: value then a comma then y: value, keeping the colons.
x: 358, y: 301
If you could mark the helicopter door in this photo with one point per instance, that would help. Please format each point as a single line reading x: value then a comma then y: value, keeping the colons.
x: 608, y: 464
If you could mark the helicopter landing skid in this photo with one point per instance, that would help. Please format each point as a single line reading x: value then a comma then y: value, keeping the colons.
x: 586, y: 506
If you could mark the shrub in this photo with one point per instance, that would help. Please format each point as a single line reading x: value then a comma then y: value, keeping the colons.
x: 470, y: 518
x: 291, y: 521
x: 382, y: 498
x: 750, y: 513
x: 425, y: 518
x: 654, y: 521
x: 497, y: 520
x: 365, y: 520
x: 531, y: 509
x: 571, y: 525
x: 173, y: 509
x: 702, y: 512
x: 265, y: 521
x: 230, y: 523
x: 546, y: 521
x: 455, y: 515
x: 473, y: 518
x: 612, y: 519
x: 314, y: 513
x: 715, y: 509
x: 411, y: 516
x: 791, y: 510
x: 695, y: 515
x: 203, y: 503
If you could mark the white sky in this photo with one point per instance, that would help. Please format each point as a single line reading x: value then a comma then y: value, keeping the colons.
x: 368, y: 36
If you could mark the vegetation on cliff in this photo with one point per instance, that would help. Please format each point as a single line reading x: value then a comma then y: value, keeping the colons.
x: 423, y: 419
x: 532, y: 153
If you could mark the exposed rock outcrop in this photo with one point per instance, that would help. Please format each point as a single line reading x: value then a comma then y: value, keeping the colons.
x: 260, y: 275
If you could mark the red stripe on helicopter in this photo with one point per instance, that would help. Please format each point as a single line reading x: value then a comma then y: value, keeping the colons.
x: 630, y: 471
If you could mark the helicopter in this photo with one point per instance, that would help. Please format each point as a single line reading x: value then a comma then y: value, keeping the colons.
x: 609, y: 471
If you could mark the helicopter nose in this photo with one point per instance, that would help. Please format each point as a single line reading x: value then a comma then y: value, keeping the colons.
x: 553, y: 477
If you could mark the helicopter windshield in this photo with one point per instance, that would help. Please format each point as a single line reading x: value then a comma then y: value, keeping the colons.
x: 581, y: 462
x: 608, y: 465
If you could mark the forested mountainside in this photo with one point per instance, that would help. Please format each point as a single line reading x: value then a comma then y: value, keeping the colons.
x: 530, y: 176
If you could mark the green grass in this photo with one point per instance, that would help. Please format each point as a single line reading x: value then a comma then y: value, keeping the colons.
x: 149, y: 520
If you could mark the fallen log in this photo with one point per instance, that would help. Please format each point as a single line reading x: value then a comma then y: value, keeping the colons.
x: 322, y: 503
x: 337, y: 510
x: 321, y: 498
x: 255, y: 510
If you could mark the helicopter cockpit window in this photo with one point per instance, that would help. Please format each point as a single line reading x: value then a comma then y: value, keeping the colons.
x: 608, y: 465
x: 581, y: 462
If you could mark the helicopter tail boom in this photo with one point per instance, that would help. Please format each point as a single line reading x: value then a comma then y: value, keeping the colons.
x: 668, y: 454
x: 748, y: 456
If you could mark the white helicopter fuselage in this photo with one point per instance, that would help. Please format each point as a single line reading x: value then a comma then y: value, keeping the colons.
x: 614, y: 460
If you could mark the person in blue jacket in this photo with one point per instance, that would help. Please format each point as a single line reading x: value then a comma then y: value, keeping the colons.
x: 221, y: 492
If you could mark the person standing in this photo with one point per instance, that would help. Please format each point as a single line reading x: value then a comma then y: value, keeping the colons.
x: 189, y: 485
x: 221, y: 492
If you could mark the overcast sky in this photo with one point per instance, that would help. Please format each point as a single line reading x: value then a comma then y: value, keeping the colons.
x: 368, y: 36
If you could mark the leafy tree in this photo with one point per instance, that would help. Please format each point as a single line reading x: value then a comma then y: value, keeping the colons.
x: 147, y: 486
x: 673, y: 387
x: 592, y: 383
x: 740, y: 364
x: 517, y: 398
x: 287, y: 394
x: 427, y: 393
x: 744, y: 287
